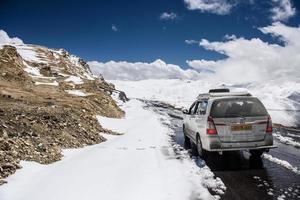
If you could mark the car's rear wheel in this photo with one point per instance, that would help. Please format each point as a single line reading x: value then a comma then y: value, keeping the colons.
x: 201, y: 152
x: 187, y: 141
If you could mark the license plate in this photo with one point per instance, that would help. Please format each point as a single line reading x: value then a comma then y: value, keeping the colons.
x: 241, y: 127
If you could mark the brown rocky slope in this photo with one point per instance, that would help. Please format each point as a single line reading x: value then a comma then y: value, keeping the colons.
x: 48, y: 102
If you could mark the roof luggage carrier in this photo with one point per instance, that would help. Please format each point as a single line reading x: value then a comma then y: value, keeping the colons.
x: 219, y: 90
x: 221, y: 93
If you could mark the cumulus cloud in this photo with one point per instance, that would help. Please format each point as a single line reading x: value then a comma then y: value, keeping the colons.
x: 141, y: 70
x: 220, y: 7
x: 201, y: 65
x: 168, y: 16
x: 250, y: 60
x: 247, y: 61
x: 282, y: 10
x: 289, y: 35
x: 5, y: 39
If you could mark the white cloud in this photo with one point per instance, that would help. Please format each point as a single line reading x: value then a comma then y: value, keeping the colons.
x: 282, y: 10
x: 220, y: 7
x: 5, y: 39
x: 168, y: 16
x: 114, y: 28
x: 230, y: 37
x: 200, y: 65
x: 289, y: 35
x: 140, y: 70
x: 247, y: 61
x: 252, y: 60
x: 191, y: 41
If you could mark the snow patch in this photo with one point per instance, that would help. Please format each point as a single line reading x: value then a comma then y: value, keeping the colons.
x: 55, y: 83
x: 6, y: 40
x: 28, y: 53
x: 32, y: 70
x: 286, y: 140
x: 74, y: 79
x: 283, y: 163
x: 293, y: 135
x: 77, y: 93
x: 281, y: 197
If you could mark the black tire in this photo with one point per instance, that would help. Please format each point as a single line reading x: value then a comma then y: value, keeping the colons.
x: 187, y: 141
x: 201, y: 152
x: 256, y: 153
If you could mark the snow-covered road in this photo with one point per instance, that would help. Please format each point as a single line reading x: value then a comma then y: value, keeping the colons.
x: 141, y: 164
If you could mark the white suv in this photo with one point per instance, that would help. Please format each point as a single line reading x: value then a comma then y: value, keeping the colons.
x: 225, y: 121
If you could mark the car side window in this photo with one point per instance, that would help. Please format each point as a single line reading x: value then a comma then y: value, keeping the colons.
x: 192, y: 108
x: 202, y: 108
x: 194, y: 111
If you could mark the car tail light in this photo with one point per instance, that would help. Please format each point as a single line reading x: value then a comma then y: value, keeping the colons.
x: 211, y: 128
x: 269, y: 128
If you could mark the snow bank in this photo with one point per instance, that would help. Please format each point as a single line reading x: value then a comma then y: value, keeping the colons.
x: 137, y: 165
x: 283, y: 163
x: 191, y: 180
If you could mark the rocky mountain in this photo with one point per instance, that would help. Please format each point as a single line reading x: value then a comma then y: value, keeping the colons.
x: 49, y: 100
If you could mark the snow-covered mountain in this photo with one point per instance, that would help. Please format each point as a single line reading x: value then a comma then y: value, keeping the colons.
x: 49, y: 100
x: 40, y: 61
x: 281, y: 99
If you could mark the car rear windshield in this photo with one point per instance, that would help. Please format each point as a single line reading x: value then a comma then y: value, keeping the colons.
x: 237, y: 107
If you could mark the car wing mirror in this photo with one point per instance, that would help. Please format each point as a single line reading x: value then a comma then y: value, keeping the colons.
x: 185, y: 111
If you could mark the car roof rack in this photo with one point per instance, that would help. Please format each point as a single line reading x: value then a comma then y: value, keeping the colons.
x: 222, y: 94
x: 218, y: 90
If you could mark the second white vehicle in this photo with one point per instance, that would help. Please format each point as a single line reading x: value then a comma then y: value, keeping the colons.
x: 225, y: 121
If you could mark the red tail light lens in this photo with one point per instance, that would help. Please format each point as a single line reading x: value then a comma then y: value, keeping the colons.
x: 211, y: 128
x: 269, y: 128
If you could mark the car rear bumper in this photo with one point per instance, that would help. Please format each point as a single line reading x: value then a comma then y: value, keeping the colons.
x: 244, y: 148
x: 214, y: 144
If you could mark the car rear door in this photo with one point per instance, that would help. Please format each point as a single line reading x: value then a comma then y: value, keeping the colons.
x: 199, y: 122
x: 239, y: 119
x: 188, y: 120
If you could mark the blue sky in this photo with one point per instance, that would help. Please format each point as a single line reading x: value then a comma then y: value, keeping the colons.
x: 133, y: 30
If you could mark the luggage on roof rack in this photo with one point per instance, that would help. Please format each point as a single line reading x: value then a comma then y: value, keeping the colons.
x: 219, y: 90
x: 222, y: 94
